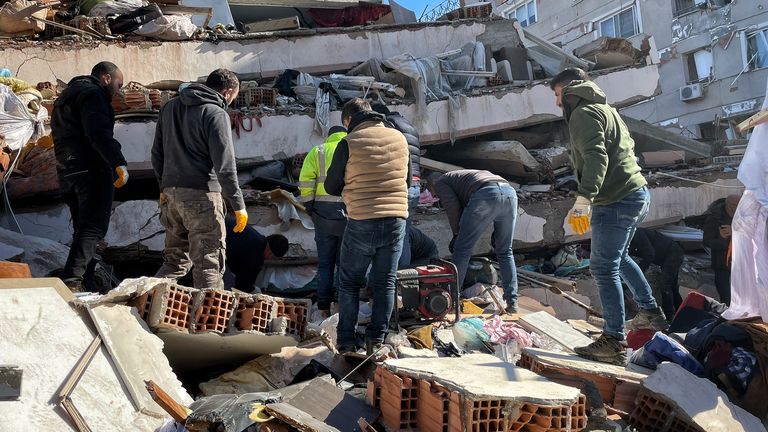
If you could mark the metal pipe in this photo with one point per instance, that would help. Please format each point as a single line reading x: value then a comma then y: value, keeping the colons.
x: 563, y: 282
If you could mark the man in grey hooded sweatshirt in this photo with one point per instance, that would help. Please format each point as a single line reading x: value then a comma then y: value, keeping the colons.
x: 194, y: 161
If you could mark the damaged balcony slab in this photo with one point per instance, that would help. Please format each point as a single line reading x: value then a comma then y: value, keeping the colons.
x: 282, y: 137
x: 266, y: 55
x: 483, y: 376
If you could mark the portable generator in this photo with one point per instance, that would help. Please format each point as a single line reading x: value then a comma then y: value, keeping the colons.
x: 428, y: 292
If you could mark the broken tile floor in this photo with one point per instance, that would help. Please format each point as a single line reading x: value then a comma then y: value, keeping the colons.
x: 231, y: 361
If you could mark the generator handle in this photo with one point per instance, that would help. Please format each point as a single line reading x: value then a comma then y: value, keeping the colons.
x: 457, y: 294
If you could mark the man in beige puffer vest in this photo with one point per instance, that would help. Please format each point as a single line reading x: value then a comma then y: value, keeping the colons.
x: 371, y: 172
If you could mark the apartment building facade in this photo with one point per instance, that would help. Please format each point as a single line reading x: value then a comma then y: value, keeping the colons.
x: 713, y: 53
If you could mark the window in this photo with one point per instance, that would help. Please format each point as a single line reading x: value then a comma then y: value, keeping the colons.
x: 622, y: 25
x: 525, y: 13
x: 699, y: 64
x: 757, y: 49
x: 682, y: 7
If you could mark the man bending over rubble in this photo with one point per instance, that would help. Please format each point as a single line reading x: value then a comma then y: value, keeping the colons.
x: 90, y: 164
x: 194, y: 161
x: 371, y: 171
x: 612, y: 199
x: 472, y: 200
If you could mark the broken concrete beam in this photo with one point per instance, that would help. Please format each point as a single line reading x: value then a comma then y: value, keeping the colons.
x: 663, y: 158
x: 650, y: 137
x: 290, y: 23
x: 691, y: 401
x: 122, y: 332
x: 42, y: 255
x: 607, y: 52
x: 560, y: 332
x: 506, y: 158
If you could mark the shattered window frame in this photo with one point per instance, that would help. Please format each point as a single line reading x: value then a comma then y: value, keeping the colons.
x: 615, y: 21
x: 751, y: 48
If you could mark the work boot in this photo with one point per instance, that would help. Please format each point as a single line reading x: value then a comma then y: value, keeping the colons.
x: 606, y: 349
x: 346, y: 348
x: 75, y: 285
x: 653, y: 319
x: 371, y: 346
x: 511, y: 308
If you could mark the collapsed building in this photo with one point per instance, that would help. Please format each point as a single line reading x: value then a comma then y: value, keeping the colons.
x: 475, y: 87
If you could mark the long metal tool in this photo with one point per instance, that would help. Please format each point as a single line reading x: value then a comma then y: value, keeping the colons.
x: 338, y: 383
x: 560, y: 292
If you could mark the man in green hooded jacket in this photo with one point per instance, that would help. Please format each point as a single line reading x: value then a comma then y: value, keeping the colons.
x: 612, y: 199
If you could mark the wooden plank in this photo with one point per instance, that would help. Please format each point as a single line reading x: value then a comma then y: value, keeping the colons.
x: 290, y: 23
x: 166, y: 402
x: 753, y: 121
x: 297, y: 418
x: 559, y: 331
x: 331, y: 405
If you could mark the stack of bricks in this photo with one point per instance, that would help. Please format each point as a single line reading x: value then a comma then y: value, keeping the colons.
x: 616, y: 392
x: 213, y: 310
x: 254, y: 313
x: 171, y: 307
x: 417, y: 404
x: 296, y: 312
x: 652, y: 414
x: 252, y: 95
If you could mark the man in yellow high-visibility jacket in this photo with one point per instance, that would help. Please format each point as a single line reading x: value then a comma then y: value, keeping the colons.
x: 328, y: 214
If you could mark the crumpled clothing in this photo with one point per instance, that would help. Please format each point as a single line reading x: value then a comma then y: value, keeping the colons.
x: 742, y: 366
x: 426, y: 197
x: 502, y: 332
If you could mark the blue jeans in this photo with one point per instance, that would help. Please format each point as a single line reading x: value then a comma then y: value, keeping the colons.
x: 413, y: 202
x: 495, y: 203
x: 613, y: 226
x: 375, y: 242
x: 328, y: 235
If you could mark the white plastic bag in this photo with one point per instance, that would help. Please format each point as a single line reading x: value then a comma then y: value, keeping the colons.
x: 17, y: 125
x: 169, y: 27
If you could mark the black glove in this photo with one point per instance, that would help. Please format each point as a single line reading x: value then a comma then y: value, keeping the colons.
x: 451, y: 244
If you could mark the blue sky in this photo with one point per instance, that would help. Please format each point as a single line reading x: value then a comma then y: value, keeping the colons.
x: 418, y: 5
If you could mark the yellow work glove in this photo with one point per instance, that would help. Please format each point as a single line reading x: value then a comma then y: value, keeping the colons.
x: 578, y: 217
x: 241, y: 219
x: 122, y: 176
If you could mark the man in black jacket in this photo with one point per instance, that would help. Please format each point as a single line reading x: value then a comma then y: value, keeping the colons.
x: 651, y: 247
x: 90, y: 164
x: 414, y: 190
x: 194, y: 161
x: 717, y: 237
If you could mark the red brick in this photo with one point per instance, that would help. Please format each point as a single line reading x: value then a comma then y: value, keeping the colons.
x: 143, y: 304
x: 254, y: 313
x: 296, y: 312
x: 213, y: 310
x: 171, y: 307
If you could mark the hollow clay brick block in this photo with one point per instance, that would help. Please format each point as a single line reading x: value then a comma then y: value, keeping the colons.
x: 398, y: 401
x: 143, y: 304
x: 171, y: 307
x: 213, y: 310
x: 296, y: 312
x: 253, y: 313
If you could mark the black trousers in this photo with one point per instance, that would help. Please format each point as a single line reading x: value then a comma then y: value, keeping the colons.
x: 670, y: 286
x: 723, y: 285
x: 89, y: 196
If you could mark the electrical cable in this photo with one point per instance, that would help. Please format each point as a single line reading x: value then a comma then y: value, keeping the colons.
x: 700, y: 182
x: 6, y: 201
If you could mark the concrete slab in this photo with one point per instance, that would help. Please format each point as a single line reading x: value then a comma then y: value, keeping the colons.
x: 136, y: 222
x: 42, y: 255
x: 187, y: 352
x: 43, y: 335
x: 699, y: 400
x: 53, y: 222
x: 483, y: 376
x: 10, y: 253
x: 560, y: 332
x: 138, y: 356
x: 574, y: 362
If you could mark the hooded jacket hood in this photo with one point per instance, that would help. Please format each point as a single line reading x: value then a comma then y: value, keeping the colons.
x: 199, y: 94
x: 578, y: 92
